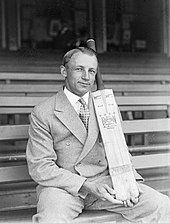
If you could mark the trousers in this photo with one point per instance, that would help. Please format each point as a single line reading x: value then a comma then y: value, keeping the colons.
x: 58, y: 206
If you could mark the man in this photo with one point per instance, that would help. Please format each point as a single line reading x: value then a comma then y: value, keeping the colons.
x: 67, y: 158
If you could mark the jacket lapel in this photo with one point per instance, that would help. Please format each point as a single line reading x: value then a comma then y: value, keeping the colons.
x: 68, y: 116
x: 93, y: 131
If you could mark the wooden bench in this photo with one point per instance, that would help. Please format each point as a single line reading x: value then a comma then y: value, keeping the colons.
x: 17, y: 190
x: 47, y: 83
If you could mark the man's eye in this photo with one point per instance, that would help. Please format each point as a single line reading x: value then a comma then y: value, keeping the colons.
x: 92, y: 71
x: 79, y: 69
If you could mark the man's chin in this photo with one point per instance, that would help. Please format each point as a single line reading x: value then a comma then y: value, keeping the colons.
x: 82, y: 92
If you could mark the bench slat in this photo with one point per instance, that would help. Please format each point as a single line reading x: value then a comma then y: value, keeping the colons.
x: 9, y: 132
x: 150, y: 148
x: 107, y: 76
x: 24, y: 105
x: 30, y: 76
x: 27, y: 110
x: 142, y: 108
x: 136, y: 126
x: 143, y: 100
x: 14, y: 173
x: 20, y: 110
x: 156, y: 148
x: 52, y: 88
x: 17, y: 201
x: 20, y: 173
x: 151, y: 161
x: 19, y: 101
x: 111, y: 76
x: 147, y: 125
x: 138, y: 87
x: 11, y: 101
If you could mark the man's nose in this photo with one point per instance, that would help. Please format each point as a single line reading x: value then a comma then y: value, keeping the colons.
x: 85, y: 74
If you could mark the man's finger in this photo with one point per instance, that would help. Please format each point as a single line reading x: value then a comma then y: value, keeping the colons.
x: 110, y: 190
x: 135, y: 200
x: 129, y: 203
x: 111, y: 199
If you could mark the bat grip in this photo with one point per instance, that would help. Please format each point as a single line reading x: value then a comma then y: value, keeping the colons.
x: 99, y: 82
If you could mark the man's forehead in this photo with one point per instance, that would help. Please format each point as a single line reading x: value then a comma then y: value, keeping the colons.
x: 83, y: 57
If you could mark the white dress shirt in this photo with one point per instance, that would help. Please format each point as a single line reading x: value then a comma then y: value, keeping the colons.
x: 73, y: 98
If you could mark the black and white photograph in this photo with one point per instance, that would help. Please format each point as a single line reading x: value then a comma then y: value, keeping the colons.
x: 84, y: 111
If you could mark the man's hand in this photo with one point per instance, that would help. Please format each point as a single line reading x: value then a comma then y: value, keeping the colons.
x: 104, y: 192
x: 134, y: 200
x: 101, y: 191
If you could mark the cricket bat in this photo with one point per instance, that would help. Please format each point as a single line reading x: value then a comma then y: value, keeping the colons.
x: 119, y: 163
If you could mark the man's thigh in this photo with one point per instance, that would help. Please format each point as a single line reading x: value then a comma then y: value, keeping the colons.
x: 56, y: 205
x: 152, y: 205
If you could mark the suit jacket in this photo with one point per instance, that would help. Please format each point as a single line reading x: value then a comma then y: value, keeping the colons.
x: 59, y: 152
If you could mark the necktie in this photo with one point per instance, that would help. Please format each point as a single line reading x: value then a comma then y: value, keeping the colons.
x: 84, y: 112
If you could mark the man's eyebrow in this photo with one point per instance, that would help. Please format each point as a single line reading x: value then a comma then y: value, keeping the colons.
x: 78, y: 65
x: 90, y: 68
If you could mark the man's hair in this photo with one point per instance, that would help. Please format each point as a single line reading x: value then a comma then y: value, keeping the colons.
x: 70, y: 53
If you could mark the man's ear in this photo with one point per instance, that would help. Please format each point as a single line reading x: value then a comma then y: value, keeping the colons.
x: 63, y: 71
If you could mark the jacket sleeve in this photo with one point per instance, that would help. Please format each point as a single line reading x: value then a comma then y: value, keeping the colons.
x: 41, y: 159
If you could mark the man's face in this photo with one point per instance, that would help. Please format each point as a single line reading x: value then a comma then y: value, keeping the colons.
x: 80, y: 73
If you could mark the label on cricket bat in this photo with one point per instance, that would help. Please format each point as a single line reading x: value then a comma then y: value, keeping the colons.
x: 108, y: 120
x: 120, y: 166
x: 120, y: 169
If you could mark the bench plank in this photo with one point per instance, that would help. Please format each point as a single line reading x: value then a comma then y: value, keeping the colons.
x: 20, y: 173
x: 147, y: 125
x: 24, y: 105
x: 52, y: 88
x: 112, y: 75
x: 19, y: 101
x: 136, y: 126
x: 13, y: 132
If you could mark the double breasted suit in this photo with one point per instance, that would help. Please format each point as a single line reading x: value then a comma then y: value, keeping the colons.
x: 60, y: 153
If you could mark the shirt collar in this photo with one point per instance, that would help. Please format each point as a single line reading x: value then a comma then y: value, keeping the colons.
x: 73, y: 98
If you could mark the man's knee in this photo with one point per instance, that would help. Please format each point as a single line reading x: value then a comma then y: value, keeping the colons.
x: 155, y: 201
x: 57, y: 205
x: 163, y: 202
x: 49, y: 218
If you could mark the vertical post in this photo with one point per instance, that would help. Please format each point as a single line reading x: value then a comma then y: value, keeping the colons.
x: 168, y: 27
x: 18, y: 24
x: 165, y: 27
x: 12, y: 25
x: 100, y: 25
x: 3, y: 24
x: 90, y: 15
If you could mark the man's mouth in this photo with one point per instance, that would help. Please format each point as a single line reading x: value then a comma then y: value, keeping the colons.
x: 84, y: 84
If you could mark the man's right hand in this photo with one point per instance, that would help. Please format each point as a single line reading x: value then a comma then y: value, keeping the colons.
x: 101, y: 191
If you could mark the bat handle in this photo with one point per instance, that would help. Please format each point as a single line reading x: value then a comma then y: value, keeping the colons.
x: 99, y: 82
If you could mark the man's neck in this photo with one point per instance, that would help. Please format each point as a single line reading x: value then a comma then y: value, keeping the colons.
x: 73, y: 97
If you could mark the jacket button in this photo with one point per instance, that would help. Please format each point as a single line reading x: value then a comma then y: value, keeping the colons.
x: 68, y: 143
